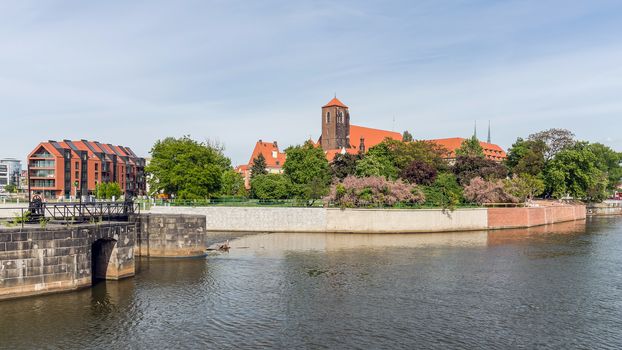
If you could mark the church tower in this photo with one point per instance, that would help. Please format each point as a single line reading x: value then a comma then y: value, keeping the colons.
x: 335, y: 125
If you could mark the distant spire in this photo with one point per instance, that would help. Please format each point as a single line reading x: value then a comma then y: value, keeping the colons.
x: 475, y: 130
x: 488, y: 140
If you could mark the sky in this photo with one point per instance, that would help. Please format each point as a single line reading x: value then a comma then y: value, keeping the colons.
x: 234, y: 72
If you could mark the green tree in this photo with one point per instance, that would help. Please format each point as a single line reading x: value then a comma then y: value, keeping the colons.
x: 402, y: 154
x: 574, y: 171
x: 270, y: 186
x: 608, y: 161
x: 232, y: 184
x: 186, y: 168
x: 407, y: 136
x: 445, y: 192
x: 376, y: 165
x: 470, y: 148
x: 524, y: 186
x: 526, y: 157
x: 10, y: 188
x: 308, y: 170
x: 259, y: 166
x: 107, y: 190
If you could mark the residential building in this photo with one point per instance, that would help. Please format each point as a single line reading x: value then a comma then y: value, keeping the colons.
x: 68, y: 169
x: 10, y: 172
x: 271, y: 153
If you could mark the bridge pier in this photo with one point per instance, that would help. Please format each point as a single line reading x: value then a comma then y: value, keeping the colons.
x: 37, y: 260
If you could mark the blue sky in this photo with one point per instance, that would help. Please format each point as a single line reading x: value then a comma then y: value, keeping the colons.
x: 131, y: 72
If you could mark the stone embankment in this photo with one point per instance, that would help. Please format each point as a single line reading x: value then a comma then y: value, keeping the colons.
x: 262, y: 219
x: 605, y: 208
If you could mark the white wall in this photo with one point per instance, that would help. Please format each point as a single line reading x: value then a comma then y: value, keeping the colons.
x: 334, y: 220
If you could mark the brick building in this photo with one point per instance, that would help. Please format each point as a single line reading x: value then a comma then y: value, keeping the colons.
x: 70, y: 168
x: 271, y: 153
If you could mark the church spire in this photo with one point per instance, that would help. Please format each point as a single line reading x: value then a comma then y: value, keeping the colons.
x: 475, y: 130
x: 488, y: 139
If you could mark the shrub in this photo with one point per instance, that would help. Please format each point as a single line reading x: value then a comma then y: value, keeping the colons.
x: 270, y: 186
x: 373, y: 191
x: 444, y: 192
x: 481, y: 191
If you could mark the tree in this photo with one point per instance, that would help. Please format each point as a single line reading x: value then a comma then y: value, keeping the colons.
x: 445, y: 192
x: 608, y: 161
x: 556, y: 140
x: 186, y: 168
x: 467, y: 168
x: 470, y: 148
x: 376, y: 165
x: 419, y: 172
x: 270, y: 186
x: 402, y: 154
x: 526, y: 157
x: 308, y: 170
x: 524, y: 186
x: 259, y: 166
x: 10, y: 188
x: 344, y: 165
x: 407, y: 137
x: 108, y: 190
x: 232, y: 184
x: 481, y: 191
x: 574, y: 171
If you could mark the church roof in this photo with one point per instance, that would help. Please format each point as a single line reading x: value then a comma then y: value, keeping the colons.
x: 335, y: 102
x: 270, y: 150
x: 371, y: 136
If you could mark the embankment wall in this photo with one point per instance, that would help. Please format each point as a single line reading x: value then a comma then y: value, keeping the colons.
x: 262, y: 219
x: 170, y: 235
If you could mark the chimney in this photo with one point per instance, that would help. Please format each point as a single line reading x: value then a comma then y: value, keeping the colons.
x: 362, y: 145
x: 275, y: 144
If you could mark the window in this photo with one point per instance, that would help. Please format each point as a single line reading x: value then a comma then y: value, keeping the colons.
x: 77, y: 175
x: 77, y: 166
x: 339, y: 117
x: 96, y: 166
x: 327, y: 117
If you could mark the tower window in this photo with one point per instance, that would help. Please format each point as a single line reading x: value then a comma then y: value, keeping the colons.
x: 327, y: 117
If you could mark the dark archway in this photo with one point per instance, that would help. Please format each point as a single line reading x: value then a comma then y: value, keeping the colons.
x: 101, y: 252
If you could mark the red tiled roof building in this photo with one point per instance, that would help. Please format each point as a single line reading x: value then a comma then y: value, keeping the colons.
x: 70, y: 168
x: 491, y: 151
x: 271, y: 153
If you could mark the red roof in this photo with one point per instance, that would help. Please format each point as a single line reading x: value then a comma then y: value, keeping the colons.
x: 270, y: 150
x: 371, y: 136
x: 332, y: 153
x: 491, y: 151
x: 335, y: 102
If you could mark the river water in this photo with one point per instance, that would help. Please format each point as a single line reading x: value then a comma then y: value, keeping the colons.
x: 558, y: 287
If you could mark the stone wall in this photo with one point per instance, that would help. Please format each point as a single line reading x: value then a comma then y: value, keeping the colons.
x: 38, y: 260
x: 261, y: 219
x: 499, y: 218
x: 176, y: 235
x: 605, y: 208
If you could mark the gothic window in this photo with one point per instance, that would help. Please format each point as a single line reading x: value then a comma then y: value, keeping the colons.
x: 339, y: 117
x: 327, y: 117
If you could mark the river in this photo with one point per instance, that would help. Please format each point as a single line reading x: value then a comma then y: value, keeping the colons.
x: 557, y: 286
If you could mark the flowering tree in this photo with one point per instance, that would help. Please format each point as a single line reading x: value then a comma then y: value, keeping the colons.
x: 373, y: 191
x: 481, y: 191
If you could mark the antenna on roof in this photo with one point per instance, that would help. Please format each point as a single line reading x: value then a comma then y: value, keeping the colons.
x: 335, y: 94
x: 488, y: 140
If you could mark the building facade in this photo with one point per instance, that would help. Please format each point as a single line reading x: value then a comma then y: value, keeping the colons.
x: 10, y: 172
x: 69, y: 169
x: 491, y: 151
x: 271, y: 153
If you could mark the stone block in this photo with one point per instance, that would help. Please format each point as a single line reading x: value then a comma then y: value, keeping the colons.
x: 5, y: 236
x: 19, y: 236
x: 62, y: 235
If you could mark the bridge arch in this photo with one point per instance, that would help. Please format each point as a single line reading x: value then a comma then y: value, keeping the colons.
x: 102, y: 251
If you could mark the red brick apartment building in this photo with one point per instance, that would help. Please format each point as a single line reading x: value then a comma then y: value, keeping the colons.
x: 69, y: 168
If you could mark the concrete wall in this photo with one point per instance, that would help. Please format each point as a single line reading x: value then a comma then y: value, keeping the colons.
x: 260, y: 219
x: 605, y: 208
x: 499, y: 218
x: 38, y: 261
x: 171, y: 235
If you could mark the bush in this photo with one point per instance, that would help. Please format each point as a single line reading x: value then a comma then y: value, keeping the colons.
x: 270, y: 186
x: 481, y: 191
x: 444, y: 192
x: 524, y: 186
x: 373, y: 191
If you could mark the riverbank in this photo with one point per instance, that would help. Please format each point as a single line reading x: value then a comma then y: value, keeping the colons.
x: 326, y: 220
